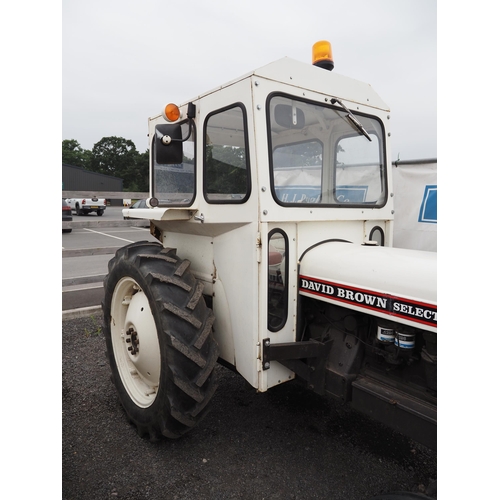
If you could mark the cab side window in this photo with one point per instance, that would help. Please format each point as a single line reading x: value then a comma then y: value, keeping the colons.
x: 277, y: 300
x: 226, y: 176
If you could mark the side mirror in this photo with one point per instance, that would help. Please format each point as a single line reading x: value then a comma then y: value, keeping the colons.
x: 168, y: 144
x: 289, y: 116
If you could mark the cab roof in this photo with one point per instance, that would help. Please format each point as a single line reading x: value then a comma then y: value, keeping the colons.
x: 306, y: 76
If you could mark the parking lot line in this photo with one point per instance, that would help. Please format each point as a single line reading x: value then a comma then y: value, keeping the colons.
x: 106, y: 234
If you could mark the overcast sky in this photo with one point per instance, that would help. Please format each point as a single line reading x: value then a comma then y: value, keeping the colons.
x: 124, y: 60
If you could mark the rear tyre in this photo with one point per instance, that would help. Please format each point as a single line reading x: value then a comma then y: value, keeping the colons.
x: 100, y: 212
x: 159, y: 340
x: 78, y: 209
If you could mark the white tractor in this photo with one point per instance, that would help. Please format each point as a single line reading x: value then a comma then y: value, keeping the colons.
x: 271, y: 199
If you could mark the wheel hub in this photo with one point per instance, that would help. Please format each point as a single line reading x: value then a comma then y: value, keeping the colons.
x: 135, y: 342
x: 132, y: 339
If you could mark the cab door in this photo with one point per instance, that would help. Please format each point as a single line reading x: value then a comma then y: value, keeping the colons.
x: 228, y: 209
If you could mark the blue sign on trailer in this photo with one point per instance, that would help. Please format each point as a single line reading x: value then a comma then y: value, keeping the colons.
x: 428, y: 208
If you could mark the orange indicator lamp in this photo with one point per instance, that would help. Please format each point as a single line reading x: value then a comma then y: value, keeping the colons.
x: 171, y: 112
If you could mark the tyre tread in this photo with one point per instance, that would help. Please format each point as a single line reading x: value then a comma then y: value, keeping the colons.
x: 172, y: 281
x: 205, y: 332
x: 185, y: 315
x: 183, y: 267
x: 193, y: 355
x: 210, y: 362
x: 196, y: 296
x: 188, y: 388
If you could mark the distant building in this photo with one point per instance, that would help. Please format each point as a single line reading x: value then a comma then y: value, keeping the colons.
x: 79, y: 179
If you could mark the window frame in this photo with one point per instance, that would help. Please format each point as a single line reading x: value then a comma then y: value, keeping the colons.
x: 206, y: 195
x: 286, y: 288
x: 383, y: 155
x: 192, y: 139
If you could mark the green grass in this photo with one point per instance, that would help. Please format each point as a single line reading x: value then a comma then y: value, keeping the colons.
x: 95, y: 330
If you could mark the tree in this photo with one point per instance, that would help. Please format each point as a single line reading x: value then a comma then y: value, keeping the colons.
x: 74, y: 154
x: 113, y: 156
x: 136, y: 178
x: 119, y: 157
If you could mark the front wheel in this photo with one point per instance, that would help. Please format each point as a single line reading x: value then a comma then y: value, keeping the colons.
x: 159, y: 340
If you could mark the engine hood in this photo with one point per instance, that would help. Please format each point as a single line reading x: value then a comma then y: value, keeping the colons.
x: 392, y: 283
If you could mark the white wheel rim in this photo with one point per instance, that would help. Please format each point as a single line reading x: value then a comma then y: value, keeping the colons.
x: 135, y: 342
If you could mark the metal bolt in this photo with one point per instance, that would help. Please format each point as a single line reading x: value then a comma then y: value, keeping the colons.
x: 267, y: 365
x: 265, y: 212
x: 267, y: 343
x: 263, y: 189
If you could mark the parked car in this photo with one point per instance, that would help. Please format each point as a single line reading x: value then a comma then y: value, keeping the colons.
x: 137, y: 204
x: 85, y: 206
x: 66, y: 215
